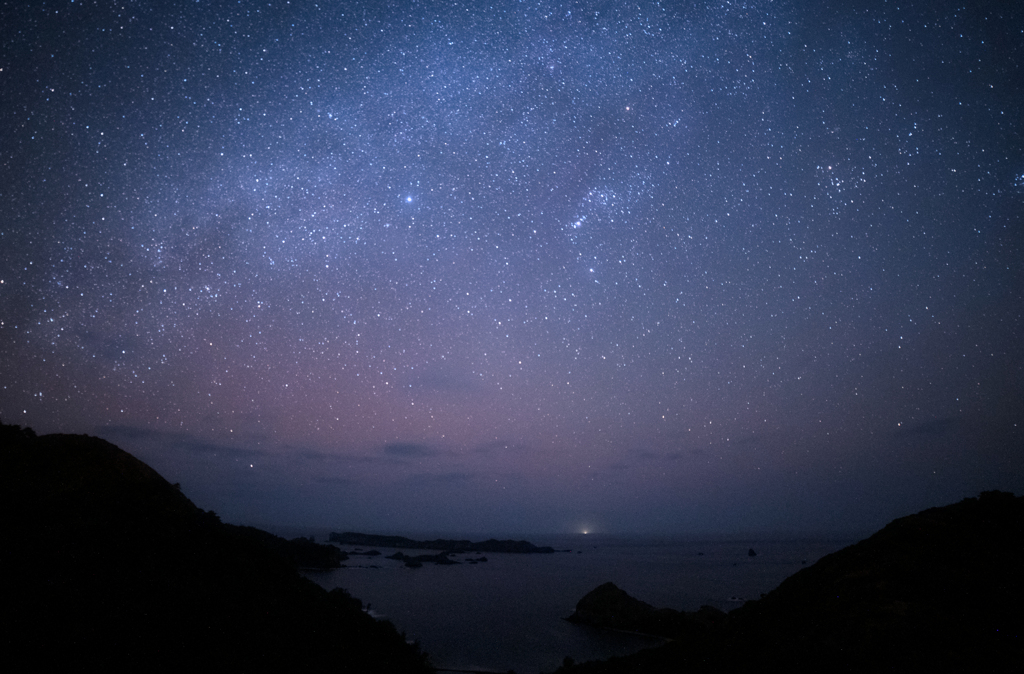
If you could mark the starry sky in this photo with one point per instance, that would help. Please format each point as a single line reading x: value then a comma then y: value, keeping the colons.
x: 653, y: 267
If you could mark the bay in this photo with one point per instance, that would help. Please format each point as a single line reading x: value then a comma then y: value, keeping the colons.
x: 508, y: 613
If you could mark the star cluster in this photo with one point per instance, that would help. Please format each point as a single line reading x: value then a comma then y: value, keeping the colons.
x: 518, y: 265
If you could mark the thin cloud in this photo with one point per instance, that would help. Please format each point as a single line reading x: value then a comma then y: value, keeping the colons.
x: 409, y: 450
x: 445, y: 379
x: 176, y: 440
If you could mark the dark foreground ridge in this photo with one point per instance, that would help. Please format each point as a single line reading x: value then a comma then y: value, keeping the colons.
x: 107, y: 566
x: 939, y: 591
x: 442, y: 544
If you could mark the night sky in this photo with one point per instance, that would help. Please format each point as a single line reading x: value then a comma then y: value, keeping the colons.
x: 676, y: 267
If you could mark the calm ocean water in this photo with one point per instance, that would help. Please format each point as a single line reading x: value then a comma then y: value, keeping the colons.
x: 508, y: 613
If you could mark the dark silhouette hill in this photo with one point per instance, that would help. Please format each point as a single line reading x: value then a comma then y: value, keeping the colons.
x: 108, y: 566
x: 939, y: 591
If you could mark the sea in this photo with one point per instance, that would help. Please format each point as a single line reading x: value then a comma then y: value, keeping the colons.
x: 508, y: 613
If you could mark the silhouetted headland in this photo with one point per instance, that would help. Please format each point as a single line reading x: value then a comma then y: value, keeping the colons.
x: 107, y: 566
x: 939, y: 591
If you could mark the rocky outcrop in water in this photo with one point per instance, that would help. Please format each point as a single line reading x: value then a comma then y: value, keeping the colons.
x: 416, y: 561
x: 609, y: 607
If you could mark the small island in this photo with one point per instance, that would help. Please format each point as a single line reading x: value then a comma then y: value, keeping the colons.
x: 610, y: 607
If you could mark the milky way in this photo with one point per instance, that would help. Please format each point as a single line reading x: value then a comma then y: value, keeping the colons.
x: 522, y: 266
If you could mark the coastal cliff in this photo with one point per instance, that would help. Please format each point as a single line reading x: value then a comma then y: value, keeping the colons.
x: 106, y: 563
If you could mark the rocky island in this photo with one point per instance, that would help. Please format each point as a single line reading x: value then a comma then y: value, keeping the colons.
x: 609, y: 607
x: 440, y: 544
